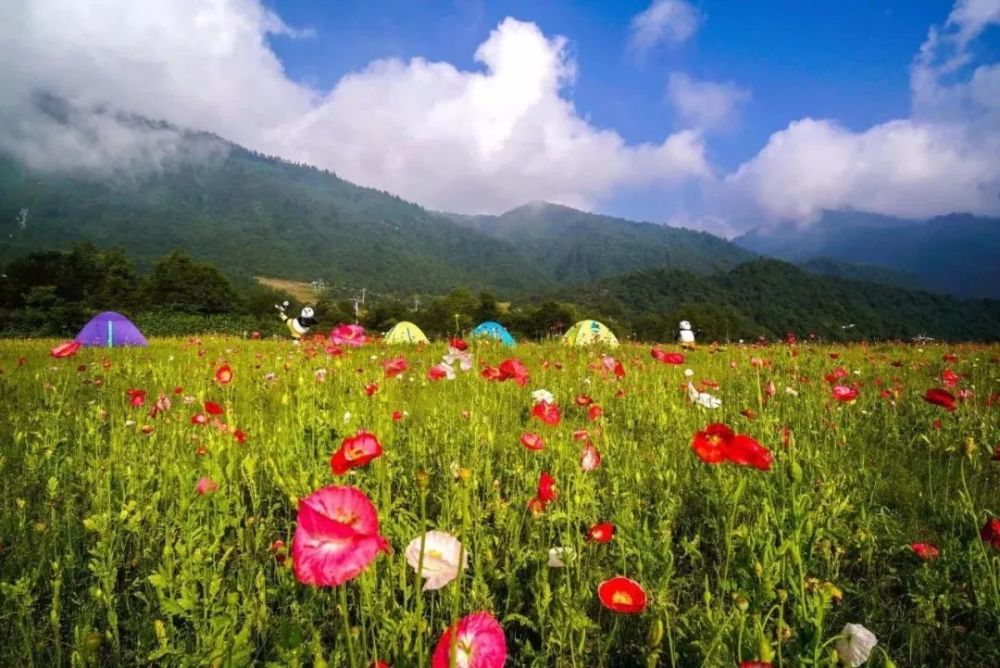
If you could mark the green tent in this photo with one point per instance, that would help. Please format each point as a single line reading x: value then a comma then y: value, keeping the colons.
x: 589, y: 332
x: 405, y: 332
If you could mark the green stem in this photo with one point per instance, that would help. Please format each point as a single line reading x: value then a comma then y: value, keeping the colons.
x: 347, y: 626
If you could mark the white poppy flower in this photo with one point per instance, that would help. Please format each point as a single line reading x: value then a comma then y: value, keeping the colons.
x: 558, y: 556
x: 541, y: 396
x: 688, y: 372
x: 856, y: 645
x: 791, y: 391
x: 703, y: 398
x: 442, y: 552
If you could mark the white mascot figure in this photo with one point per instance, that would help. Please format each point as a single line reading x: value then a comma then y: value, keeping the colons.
x: 299, y: 325
x: 686, y: 335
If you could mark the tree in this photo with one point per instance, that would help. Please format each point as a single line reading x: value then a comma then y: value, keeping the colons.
x: 178, y: 283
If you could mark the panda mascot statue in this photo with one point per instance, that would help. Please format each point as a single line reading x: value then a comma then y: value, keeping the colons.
x: 299, y: 325
x: 686, y: 335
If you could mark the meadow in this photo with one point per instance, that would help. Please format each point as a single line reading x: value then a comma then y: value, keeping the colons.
x: 149, y: 499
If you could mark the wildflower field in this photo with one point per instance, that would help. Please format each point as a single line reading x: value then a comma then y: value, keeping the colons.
x: 228, y: 502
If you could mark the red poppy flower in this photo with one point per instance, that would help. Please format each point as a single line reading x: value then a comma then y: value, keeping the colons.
x: 379, y: 663
x: 278, y: 551
x: 602, y: 532
x: 355, y: 451
x: 199, y: 419
x: 532, y: 441
x: 547, y: 413
x: 513, y: 369
x: 940, y: 397
x: 397, y: 416
x: 937, y: 424
x: 583, y: 400
x: 925, y: 551
x: 536, y: 506
x: 458, y: 344
x: 845, y: 394
x: 491, y: 373
x: 371, y: 388
x: 395, y: 366
x: 665, y: 357
x: 996, y: 453
x: 67, y: 349
x: 594, y: 412
x: 547, y: 488
x: 949, y: 378
x: 581, y: 435
x: 990, y: 533
x: 745, y: 451
x: 710, y: 445
x: 622, y: 595
x: 240, y: 436
x: 224, y: 374
x: 213, y: 408
x: 436, y: 372
x: 756, y: 664
x: 136, y: 397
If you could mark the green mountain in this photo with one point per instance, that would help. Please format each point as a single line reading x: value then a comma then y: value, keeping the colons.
x: 576, y: 247
x: 771, y: 297
x: 252, y: 214
x: 958, y: 254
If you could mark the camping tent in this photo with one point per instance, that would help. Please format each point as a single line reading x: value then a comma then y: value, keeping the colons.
x: 112, y: 330
x: 405, y: 332
x: 496, y: 331
x: 588, y: 332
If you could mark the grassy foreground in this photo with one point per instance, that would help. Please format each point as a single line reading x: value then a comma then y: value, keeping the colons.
x: 109, y: 556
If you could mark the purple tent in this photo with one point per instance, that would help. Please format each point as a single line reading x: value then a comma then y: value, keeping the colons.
x: 110, y: 329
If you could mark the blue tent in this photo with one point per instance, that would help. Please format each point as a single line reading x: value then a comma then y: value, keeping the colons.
x: 496, y: 331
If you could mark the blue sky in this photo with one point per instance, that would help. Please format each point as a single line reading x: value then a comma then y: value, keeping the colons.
x: 711, y: 114
x: 847, y: 60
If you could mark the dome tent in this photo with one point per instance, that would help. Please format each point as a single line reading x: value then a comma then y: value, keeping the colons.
x: 589, y: 332
x: 494, y: 330
x: 405, y: 332
x: 112, y: 330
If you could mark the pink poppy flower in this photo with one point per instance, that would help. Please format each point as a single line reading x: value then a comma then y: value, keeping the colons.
x: 590, y: 458
x: 348, y: 335
x: 532, y: 441
x: 67, y: 349
x: 206, y: 486
x: 336, y: 536
x: 395, y: 366
x: 479, y: 643
x: 845, y: 394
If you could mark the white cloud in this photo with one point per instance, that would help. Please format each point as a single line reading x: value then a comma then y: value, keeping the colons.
x: 705, y: 104
x: 468, y: 141
x: 944, y: 158
x: 664, y: 21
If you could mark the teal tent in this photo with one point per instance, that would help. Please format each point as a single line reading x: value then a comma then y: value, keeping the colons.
x: 496, y: 331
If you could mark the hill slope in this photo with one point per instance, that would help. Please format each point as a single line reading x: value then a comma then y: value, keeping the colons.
x: 958, y: 254
x: 771, y: 297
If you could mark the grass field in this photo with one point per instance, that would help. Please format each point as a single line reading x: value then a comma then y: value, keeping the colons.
x: 134, y: 538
